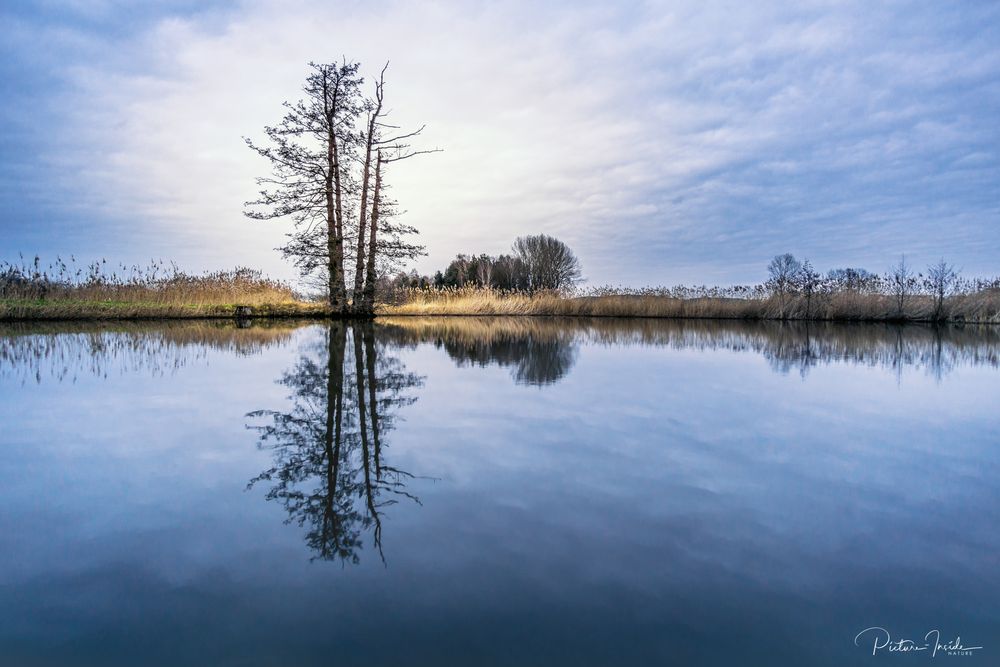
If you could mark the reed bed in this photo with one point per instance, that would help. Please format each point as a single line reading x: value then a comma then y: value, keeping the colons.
x: 66, y: 290
x: 14, y: 310
x: 62, y: 290
x: 982, y: 306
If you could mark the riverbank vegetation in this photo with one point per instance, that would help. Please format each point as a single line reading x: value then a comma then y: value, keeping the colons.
x: 793, y: 291
x: 64, y: 290
x: 535, y: 263
x: 980, y: 306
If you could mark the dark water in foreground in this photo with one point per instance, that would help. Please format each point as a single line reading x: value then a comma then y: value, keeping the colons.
x: 497, y: 492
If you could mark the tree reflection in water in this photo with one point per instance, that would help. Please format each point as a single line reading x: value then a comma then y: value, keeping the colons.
x: 537, y: 353
x: 329, y: 470
x: 533, y: 361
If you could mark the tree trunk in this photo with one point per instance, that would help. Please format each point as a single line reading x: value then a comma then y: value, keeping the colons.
x: 338, y: 292
x: 359, y: 266
x: 331, y: 245
x: 368, y: 301
x: 334, y: 230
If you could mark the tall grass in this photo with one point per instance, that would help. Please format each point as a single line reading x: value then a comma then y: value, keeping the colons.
x: 754, y: 303
x: 157, y: 282
x: 66, y: 289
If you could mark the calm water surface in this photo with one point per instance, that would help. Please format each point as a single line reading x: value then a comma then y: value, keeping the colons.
x: 497, y: 492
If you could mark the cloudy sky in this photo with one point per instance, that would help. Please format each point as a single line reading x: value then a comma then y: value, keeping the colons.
x: 667, y: 142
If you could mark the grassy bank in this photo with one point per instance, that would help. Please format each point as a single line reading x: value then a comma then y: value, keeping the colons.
x: 979, y: 308
x: 62, y: 291
x: 982, y: 306
x: 14, y: 310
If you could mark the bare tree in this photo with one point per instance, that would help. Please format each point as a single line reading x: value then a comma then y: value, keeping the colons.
x: 484, y: 270
x: 322, y: 172
x: 391, y: 145
x: 388, y: 247
x: 783, y: 273
x: 853, y: 279
x: 550, y: 262
x: 941, y: 280
x: 809, y: 282
x: 368, y: 138
x: 902, y: 282
x: 310, y: 153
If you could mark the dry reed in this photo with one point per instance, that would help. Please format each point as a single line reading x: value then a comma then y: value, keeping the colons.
x: 64, y: 290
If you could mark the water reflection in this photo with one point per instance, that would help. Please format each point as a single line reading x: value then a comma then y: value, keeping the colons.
x: 677, y: 470
x: 544, y: 350
x: 330, y: 472
x: 62, y: 351
x: 538, y: 351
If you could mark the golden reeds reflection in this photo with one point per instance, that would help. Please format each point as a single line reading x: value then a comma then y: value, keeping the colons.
x: 64, y: 350
x: 551, y: 342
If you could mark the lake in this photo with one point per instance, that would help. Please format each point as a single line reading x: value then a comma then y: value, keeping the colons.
x: 465, y: 491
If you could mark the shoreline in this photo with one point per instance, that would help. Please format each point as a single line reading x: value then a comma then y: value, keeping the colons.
x: 274, y: 317
x: 123, y: 311
x: 957, y: 310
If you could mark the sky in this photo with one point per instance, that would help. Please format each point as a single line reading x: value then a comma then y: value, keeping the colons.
x: 665, y: 142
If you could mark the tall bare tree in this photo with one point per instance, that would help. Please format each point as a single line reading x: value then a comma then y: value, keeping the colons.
x: 310, y: 153
x: 323, y: 170
x: 387, y: 236
x: 941, y: 281
x: 809, y: 282
x: 902, y: 282
x: 369, y: 138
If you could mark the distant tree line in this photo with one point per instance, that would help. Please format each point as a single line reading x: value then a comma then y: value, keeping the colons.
x: 535, y: 263
x: 795, y: 290
x: 788, y: 277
